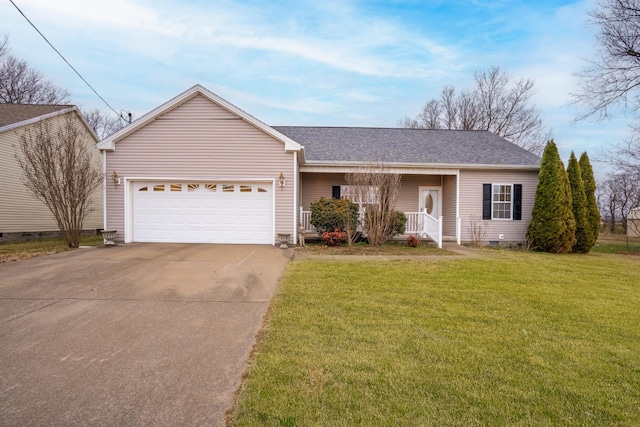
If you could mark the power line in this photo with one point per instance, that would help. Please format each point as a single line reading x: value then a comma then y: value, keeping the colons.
x: 69, y: 64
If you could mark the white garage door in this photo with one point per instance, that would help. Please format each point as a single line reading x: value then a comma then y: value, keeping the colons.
x: 203, y: 212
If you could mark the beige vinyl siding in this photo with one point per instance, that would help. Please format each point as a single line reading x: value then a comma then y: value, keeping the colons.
x: 449, y: 205
x: 201, y: 140
x: 471, y: 203
x: 20, y: 211
x: 409, y: 197
x: 317, y: 185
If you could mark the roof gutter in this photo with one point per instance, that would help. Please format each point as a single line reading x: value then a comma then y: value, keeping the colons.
x: 409, y: 168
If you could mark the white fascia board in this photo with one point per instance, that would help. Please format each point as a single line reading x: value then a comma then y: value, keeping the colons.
x: 418, y: 169
x: 110, y: 142
x: 39, y: 118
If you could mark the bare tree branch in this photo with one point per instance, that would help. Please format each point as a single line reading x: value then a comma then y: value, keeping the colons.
x: 376, y: 191
x: 20, y: 84
x: 102, y: 124
x: 60, y: 171
x: 496, y: 104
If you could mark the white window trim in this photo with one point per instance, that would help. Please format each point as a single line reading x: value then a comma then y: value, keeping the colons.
x: 493, y: 217
x: 372, y: 196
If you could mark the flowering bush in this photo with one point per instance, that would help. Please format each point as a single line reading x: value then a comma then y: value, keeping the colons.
x: 334, y: 238
x: 413, y: 241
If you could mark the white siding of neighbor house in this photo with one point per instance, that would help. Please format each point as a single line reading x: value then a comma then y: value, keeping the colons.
x: 201, y: 140
x: 471, y: 203
x: 20, y: 211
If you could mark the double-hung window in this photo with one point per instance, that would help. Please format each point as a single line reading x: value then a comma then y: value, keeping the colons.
x: 359, y: 195
x: 502, y: 201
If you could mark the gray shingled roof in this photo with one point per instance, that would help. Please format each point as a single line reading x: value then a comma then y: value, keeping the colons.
x: 407, y: 146
x: 15, y: 113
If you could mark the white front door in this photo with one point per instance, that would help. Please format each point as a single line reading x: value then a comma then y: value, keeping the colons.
x: 430, y: 201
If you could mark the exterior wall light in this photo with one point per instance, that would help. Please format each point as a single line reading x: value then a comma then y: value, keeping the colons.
x: 281, y: 181
x: 115, y: 178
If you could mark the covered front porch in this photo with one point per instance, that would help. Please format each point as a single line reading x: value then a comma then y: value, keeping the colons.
x: 418, y: 223
x: 427, y: 197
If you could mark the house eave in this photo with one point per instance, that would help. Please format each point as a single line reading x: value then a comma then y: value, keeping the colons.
x: 36, y: 119
x: 410, y: 168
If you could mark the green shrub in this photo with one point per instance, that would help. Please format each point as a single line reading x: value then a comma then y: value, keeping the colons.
x: 398, y: 223
x: 327, y: 215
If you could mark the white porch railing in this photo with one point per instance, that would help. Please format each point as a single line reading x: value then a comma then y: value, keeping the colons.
x: 424, y: 225
x: 305, y: 221
x: 420, y: 223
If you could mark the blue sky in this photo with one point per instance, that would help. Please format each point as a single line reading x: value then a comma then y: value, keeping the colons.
x: 324, y: 63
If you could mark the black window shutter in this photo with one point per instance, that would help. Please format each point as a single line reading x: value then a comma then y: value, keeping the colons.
x: 335, y: 192
x: 517, y: 201
x: 486, y: 201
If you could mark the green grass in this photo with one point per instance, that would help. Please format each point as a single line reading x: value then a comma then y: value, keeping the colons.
x: 389, y: 248
x: 511, y: 338
x: 12, y: 251
x: 617, y: 244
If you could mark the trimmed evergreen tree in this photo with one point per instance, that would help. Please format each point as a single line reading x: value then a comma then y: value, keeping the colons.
x: 552, y: 227
x: 593, y: 214
x: 579, y: 206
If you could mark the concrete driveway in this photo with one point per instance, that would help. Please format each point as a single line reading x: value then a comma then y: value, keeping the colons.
x: 139, y: 334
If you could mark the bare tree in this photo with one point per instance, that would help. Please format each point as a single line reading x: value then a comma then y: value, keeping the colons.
x: 102, y: 124
x: 21, y: 84
x: 611, y: 79
x: 375, y: 190
x: 624, y: 156
x: 60, y: 171
x: 617, y: 195
x: 496, y: 104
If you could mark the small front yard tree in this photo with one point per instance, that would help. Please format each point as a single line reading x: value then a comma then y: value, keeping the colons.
x: 593, y: 214
x: 376, y: 191
x: 60, y: 171
x: 552, y: 227
x: 579, y: 206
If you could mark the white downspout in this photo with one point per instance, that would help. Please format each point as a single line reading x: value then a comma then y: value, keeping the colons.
x: 458, y: 222
x: 295, y: 198
x: 104, y: 190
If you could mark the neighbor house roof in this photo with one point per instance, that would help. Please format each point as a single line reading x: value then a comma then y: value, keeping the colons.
x: 16, y: 113
x: 324, y: 145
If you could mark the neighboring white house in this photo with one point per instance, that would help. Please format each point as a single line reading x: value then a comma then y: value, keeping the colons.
x: 199, y: 169
x: 633, y: 223
x: 21, y: 214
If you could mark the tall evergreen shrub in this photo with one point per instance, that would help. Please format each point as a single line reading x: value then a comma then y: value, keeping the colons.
x: 579, y: 205
x: 552, y: 227
x: 593, y: 213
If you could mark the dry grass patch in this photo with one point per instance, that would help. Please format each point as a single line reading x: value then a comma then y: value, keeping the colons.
x: 14, y: 251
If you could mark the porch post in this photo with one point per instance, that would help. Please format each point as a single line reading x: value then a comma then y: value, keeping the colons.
x: 458, y: 221
x: 440, y: 232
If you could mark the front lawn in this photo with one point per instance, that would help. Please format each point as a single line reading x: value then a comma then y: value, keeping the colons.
x: 511, y: 338
x: 390, y: 248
